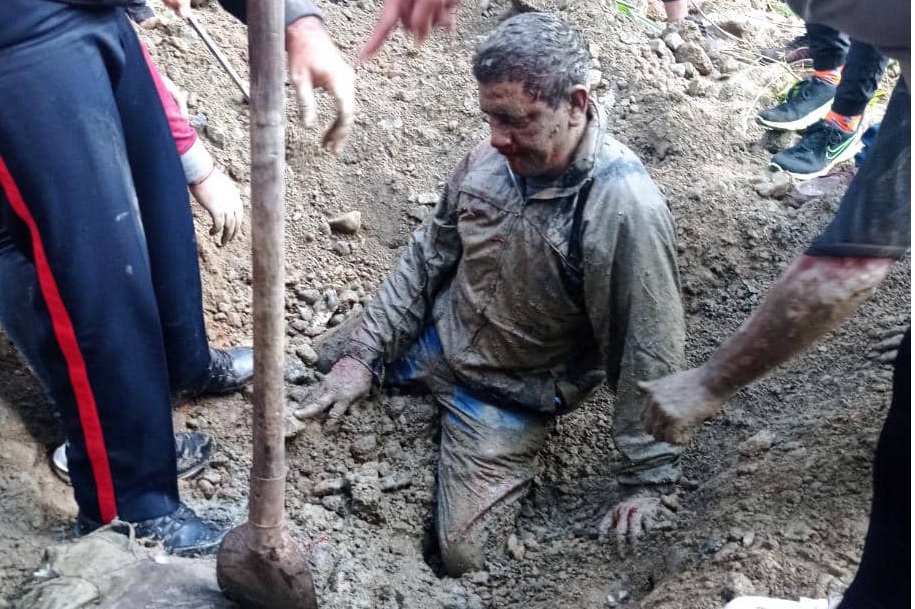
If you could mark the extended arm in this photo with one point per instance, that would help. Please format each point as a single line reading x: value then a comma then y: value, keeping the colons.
x: 810, y: 299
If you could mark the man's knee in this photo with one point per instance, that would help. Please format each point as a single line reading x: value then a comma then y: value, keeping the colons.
x: 461, y: 554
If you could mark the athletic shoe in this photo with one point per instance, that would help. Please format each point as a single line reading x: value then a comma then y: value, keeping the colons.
x: 192, y: 449
x: 822, y: 147
x: 797, y: 49
x: 182, y: 533
x: 808, y: 101
x: 764, y: 602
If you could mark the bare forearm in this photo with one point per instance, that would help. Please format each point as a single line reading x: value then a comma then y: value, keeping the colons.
x: 810, y: 299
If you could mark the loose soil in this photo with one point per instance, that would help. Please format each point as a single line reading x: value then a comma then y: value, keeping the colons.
x: 777, y: 488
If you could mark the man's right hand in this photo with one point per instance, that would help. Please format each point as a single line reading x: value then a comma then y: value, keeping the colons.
x: 347, y: 382
x: 315, y: 62
x: 676, y: 403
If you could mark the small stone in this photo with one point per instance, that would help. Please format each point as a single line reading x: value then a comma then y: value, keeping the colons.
x: 781, y: 185
x: 365, y: 447
x: 212, y: 476
x: 478, y: 578
x: 309, y: 296
x: 334, y: 503
x: 698, y: 87
x: 737, y: 584
x: 207, y: 488
x: 307, y: 354
x: 427, y: 198
x: 679, y: 69
x: 396, y: 481
x: 341, y: 248
x: 693, y: 53
x: 418, y: 213
x: 757, y: 444
x: 746, y: 469
x: 658, y: 47
x: 298, y: 394
x: 516, y: 549
x: 673, y: 41
x: 365, y: 488
x: 671, y: 502
x: 216, y: 135
x: 334, y: 486
x: 347, y: 224
x: 296, y: 373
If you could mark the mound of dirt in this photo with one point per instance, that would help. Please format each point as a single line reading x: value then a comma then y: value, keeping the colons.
x: 777, y: 488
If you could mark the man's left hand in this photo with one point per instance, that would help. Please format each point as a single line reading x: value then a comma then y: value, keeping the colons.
x: 315, y: 62
x: 220, y: 197
x: 631, y: 518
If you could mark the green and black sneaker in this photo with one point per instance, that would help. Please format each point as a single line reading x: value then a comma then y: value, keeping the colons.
x: 823, y: 146
x: 808, y: 101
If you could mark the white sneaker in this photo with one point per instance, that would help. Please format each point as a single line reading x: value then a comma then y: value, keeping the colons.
x: 764, y: 602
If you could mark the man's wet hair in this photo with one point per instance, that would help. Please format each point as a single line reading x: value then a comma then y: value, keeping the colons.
x: 539, y: 50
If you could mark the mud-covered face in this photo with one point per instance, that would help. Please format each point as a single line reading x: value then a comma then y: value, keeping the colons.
x: 536, y: 140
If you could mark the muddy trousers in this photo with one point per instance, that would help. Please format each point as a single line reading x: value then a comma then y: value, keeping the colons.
x: 487, y: 461
x: 863, y: 69
x: 884, y: 577
x: 92, y: 196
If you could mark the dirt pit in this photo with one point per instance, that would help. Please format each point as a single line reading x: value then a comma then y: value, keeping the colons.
x: 776, y: 489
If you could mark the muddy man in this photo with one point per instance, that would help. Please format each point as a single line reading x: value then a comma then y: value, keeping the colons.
x: 547, y: 268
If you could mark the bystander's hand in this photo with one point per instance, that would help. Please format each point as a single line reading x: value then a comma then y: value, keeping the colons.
x: 220, y: 197
x: 676, y: 403
x: 316, y: 63
x: 419, y: 17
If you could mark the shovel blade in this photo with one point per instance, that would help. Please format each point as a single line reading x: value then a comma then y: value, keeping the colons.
x: 277, y: 578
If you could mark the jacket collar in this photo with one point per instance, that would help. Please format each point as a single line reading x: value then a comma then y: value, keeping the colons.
x: 582, y: 165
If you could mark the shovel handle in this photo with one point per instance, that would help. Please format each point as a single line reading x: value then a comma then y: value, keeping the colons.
x: 268, y: 469
x: 222, y: 59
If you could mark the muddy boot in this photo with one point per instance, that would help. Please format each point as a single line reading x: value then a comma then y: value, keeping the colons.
x: 182, y: 533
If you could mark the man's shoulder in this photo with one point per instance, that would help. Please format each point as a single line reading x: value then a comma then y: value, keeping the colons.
x: 621, y: 181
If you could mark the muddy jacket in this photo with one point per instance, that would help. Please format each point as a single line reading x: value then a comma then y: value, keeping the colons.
x: 540, y: 296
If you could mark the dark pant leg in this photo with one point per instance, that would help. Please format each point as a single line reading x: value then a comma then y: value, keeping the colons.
x: 68, y: 202
x: 165, y: 211
x: 828, y: 47
x: 23, y: 314
x: 863, y: 71
x: 884, y: 576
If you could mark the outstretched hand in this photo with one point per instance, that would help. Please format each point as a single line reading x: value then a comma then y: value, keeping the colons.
x: 676, y: 403
x: 419, y: 17
x: 347, y: 382
x: 316, y: 63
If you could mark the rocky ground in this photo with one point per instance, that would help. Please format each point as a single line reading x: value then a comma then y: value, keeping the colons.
x: 777, y: 488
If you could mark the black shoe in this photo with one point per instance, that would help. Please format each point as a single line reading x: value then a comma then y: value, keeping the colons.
x: 808, y: 101
x: 230, y: 370
x: 823, y: 146
x: 182, y: 533
x: 192, y: 450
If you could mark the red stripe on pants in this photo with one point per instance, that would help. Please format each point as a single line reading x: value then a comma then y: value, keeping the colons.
x: 76, y: 365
